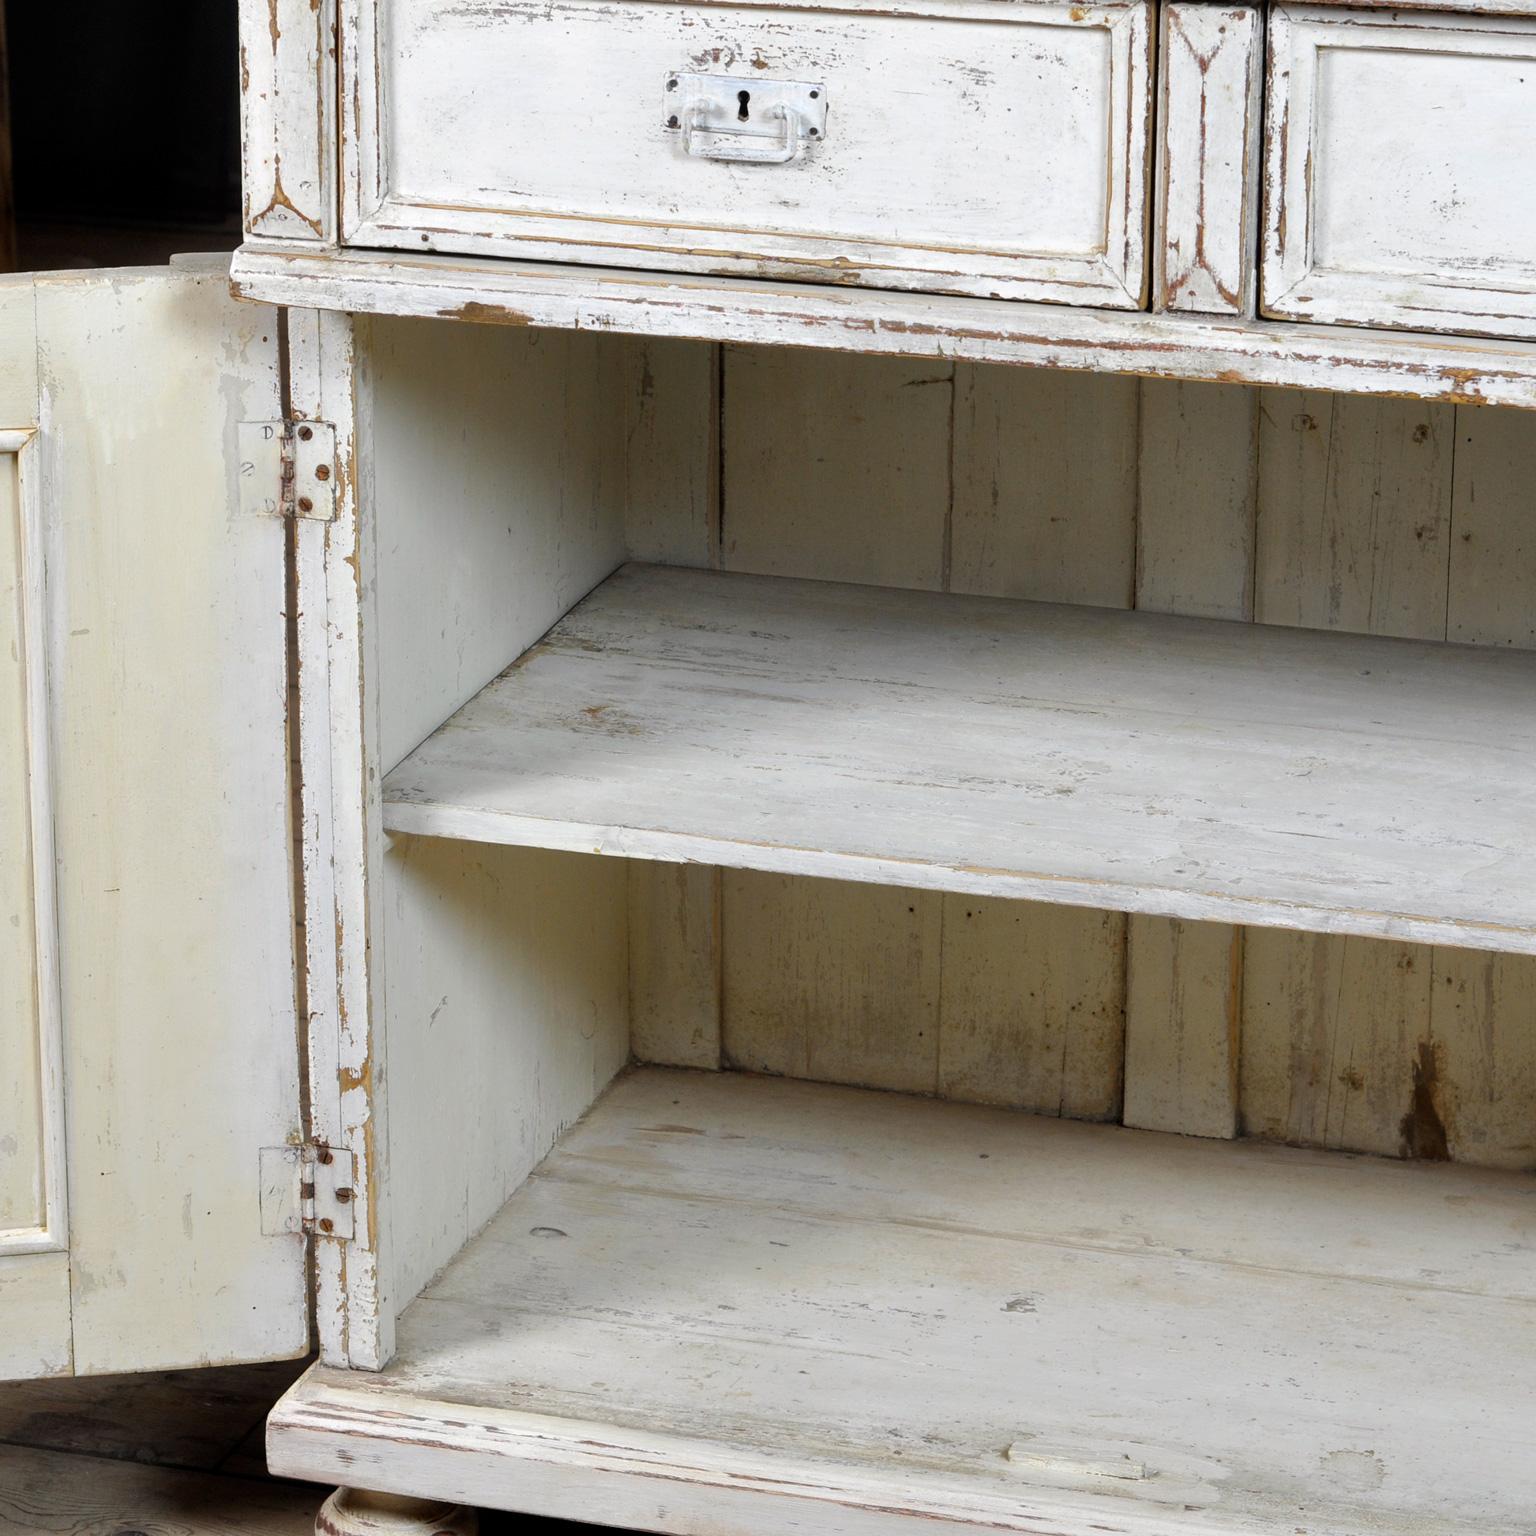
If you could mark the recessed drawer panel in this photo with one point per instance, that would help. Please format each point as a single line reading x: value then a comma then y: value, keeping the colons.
x: 1401, y: 170
x: 967, y: 146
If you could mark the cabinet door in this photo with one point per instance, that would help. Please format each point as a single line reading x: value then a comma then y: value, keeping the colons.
x: 148, y: 1045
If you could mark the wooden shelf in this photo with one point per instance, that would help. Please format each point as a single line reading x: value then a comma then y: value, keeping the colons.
x: 744, y: 1305
x: 1183, y: 767
x: 1450, y: 368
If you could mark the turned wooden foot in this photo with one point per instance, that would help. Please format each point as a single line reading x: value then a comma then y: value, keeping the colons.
x: 356, y: 1512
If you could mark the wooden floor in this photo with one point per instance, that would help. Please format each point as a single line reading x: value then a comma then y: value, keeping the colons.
x: 172, y: 1454
x: 1184, y: 767
x: 744, y: 1305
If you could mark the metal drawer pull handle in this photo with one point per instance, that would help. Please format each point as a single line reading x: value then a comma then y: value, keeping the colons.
x: 743, y: 148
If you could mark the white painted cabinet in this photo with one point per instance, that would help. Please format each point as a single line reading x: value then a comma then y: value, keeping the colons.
x: 148, y: 1033
x: 837, y: 935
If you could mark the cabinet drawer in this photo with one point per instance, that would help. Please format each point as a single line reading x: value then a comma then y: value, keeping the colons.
x: 1399, y: 170
x: 968, y: 146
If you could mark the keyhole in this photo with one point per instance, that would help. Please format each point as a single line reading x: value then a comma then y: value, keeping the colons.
x: 745, y: 98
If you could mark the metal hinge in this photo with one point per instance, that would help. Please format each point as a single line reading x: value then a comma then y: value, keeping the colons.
x: 288, y: 469
x: 306, y: 1189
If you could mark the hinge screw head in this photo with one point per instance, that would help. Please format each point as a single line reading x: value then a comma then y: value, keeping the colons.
x: 322, y: 472
x: 305, y: 433
x: 343, y: 1196
x: 306, y: 505
x: 326, y: 1224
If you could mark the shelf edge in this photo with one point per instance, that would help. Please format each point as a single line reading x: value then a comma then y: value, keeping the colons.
x: 1452, y: 369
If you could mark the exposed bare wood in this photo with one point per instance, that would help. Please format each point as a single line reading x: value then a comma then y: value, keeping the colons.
x: 976, y: 330
x: 1210, y: 82
x: 935, y: 1317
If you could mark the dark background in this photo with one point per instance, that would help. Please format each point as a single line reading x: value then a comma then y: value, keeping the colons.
x: 122, y: 134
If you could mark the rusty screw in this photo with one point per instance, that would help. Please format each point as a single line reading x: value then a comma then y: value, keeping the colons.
x: 326, y: 1224
x: 305, y: 433
x: 306, y: 505
x: 322, y: 472
x: 322, y: 1154
x: 343, y: 1196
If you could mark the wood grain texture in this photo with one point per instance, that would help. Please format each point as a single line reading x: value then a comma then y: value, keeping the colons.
x: 1196, y: 503
x: 1377, y: 218
x: 1210, y: 81
x: 34, y: 1298
x: 1354, y: 514
x: 1037, y: 189
x: 672, y: 452
x: 1177, y: 766
x: 1044, y: 487
x: 1492, y: 577
x: 936, y: 1316
x: 832, y: 982
x: 810, y: 442
x: 1049, y: 336
x: 1032, y: 1007
x: 71, y: 1495
x: 288, y: 118
x: 1184, y: 984
x: 676, y: 953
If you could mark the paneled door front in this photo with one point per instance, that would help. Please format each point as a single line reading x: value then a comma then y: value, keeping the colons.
x: 148, y: 1046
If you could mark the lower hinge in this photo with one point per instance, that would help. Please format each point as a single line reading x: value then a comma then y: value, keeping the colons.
x: 288, y: 469
x: 306, y: 1189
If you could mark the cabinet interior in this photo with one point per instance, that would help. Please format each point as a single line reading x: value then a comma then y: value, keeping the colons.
x: 512, y: 473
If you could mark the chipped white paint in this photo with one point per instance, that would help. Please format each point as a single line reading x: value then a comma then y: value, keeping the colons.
x: 1181, y: 767
x: 34, y: 1216
x: 1208, y: 165
x: 747, y: 1305
x: 516, y: 128
x: 288, y: 118
x: 1396, y: 167
x: 1171, y: 346
x: 158, y: 770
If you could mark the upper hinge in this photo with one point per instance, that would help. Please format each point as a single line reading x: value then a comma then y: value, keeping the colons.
x: 288, y: 469
x: 307, y: 1189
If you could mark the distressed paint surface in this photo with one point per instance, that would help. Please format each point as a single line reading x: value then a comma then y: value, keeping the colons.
x: 1048, y: 100
x: 288, y: 118
x: 1170, y: 346
x: 1210, y: 82
x: 168, y: 783
x: 936, y: 1317
x: 1380, y: 216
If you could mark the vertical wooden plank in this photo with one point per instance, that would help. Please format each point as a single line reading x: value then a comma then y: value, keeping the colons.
x: 1198, y: 499
x: 1354, y: 513
x: 1477, y: 1072
x: 288, y: 118
x: 1208, y: 171
x: 1493, y: 539
x: 1354, y: 533
x: 1331, y: 1035
x: 1044, y: 485
x: 1194, y: 555
x: 1483, y: 1020
x: 1033, y: 1007
x: 675, y: 955
x: 832, y: 981
x: 836, y: 466
x: 1183, y: 993
x: 672, y: 451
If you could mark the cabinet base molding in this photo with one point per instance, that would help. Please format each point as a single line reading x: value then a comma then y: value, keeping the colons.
x: 357, y: 1512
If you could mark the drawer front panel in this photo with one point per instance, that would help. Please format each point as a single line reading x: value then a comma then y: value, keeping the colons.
x: 1399, y: 171
x: 970, y: 146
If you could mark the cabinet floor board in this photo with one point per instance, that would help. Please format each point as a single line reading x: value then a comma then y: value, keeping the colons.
x: 737, y: 1304
x: 1183, y: 767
